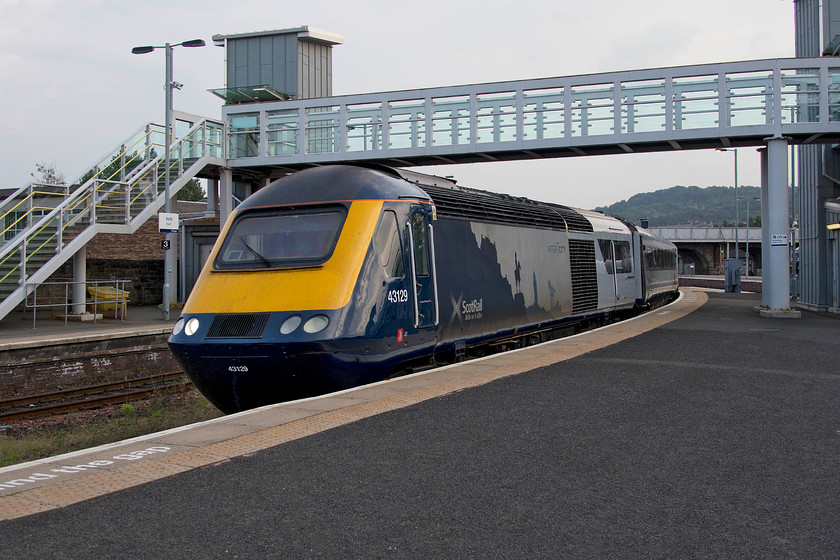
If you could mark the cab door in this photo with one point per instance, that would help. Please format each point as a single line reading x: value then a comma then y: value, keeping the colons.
x: 422, y: 260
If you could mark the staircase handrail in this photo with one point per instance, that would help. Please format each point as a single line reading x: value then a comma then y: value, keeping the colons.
x: 26, y: 193
x: 16, y: 203
x: 145, y: 132
x: 88, y: 191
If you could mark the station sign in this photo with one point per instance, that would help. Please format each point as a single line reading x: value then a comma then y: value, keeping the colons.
x: 778, y: 240
x: 168, y: 222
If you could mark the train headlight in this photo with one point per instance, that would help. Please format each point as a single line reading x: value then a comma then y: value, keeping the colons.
x: 191, y: 327
x: 316, y: 324
x: 179, y: 326
x: 290, y: 324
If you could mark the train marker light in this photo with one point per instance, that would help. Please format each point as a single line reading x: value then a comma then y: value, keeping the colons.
x: 191, y: 327
x: 290, y: 324
x: 316, y: 324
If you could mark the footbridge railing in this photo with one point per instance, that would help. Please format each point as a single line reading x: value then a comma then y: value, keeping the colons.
x: 706, y: 106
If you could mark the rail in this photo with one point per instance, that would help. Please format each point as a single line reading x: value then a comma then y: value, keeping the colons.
x: 90, y: 397
x: 103, y: 294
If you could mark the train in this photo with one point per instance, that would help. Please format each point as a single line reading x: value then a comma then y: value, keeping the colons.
x: 342, y: 275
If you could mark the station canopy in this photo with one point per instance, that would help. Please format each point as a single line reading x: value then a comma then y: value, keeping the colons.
x: 250, y: 94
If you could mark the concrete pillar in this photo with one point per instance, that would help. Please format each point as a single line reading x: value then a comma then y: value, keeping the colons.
x: 79, y: 291
x: 212, y: 197
x: 225, y: 196
x: 776, y: 275
x: 765, y: 231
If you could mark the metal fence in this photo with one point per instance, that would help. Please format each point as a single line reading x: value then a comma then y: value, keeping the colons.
x: 57, y: 297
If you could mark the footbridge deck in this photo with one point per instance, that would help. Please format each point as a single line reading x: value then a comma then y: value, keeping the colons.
x: 665, y: 109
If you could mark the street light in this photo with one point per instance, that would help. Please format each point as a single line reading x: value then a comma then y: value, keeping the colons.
x: 168, y: 255
x: 747, y: 273
x: 735, y: 151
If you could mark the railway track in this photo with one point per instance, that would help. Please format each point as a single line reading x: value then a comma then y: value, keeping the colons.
x: 91, y: 396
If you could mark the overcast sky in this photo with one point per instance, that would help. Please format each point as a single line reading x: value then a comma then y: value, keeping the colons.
x: 70, y: 90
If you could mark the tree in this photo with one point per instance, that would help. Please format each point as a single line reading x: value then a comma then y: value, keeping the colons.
x: 192, y: 191
x: 48, y: 174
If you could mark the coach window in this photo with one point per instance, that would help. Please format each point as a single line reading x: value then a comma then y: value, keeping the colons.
x: 386, y: 240
x: 623, y: 257
x: 421, y: 243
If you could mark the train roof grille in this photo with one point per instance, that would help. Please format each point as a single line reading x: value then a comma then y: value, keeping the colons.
x: 473, y: 204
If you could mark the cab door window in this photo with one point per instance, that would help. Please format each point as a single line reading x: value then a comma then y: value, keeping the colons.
x: 420, y: 236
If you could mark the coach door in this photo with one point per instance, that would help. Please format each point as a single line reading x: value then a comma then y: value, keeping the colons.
x: 422, y: 240
x: 625, y: 274
x: 618, y: 259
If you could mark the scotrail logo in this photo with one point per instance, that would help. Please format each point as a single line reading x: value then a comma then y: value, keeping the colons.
x: 466, y: 310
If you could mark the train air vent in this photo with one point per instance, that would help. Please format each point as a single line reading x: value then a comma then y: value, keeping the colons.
x: 584, y: 276
x: 250, y: 325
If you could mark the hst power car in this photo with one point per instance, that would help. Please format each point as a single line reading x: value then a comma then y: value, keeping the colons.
x: 342, y: 275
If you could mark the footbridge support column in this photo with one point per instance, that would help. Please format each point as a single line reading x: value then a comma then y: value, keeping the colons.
x: 78, y: 293
x: 225, y: 196
x: 775, y: 296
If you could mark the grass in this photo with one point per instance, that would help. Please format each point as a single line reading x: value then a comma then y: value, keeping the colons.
x: 46, y: 437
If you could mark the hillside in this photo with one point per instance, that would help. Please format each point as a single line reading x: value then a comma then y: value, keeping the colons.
x: 711, y: 206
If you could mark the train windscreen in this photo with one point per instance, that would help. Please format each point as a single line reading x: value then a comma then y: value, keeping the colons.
x: 281, y: 239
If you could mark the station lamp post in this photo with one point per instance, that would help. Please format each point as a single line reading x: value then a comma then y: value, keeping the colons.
x: 169, y: 243
x: 735, y: 151
x: 749, y: 217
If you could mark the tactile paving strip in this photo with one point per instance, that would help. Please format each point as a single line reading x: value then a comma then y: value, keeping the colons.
x: 309, y: 418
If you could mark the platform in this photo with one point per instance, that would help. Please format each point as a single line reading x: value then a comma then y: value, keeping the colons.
x: 697, y: 430
x: 18, y: 330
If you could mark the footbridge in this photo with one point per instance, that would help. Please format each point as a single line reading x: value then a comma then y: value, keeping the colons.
x: 706, y: 248
x: 765, y: 103
x: 692, y: 107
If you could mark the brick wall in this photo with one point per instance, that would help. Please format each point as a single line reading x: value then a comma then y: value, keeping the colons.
x: 137, y: 257
x: 146, y: 277
x: 143, y: 245
x: 54, y: 367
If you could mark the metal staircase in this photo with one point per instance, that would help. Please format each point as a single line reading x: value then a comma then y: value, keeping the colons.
x: 45, y: 225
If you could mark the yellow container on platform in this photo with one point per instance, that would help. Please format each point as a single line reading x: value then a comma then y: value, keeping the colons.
x: 105, y: 294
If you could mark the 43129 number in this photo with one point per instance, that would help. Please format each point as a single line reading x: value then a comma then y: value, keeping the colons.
x: 398, y: 296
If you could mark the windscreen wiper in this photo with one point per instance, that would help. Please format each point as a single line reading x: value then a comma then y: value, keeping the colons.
x: 259, y: 256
